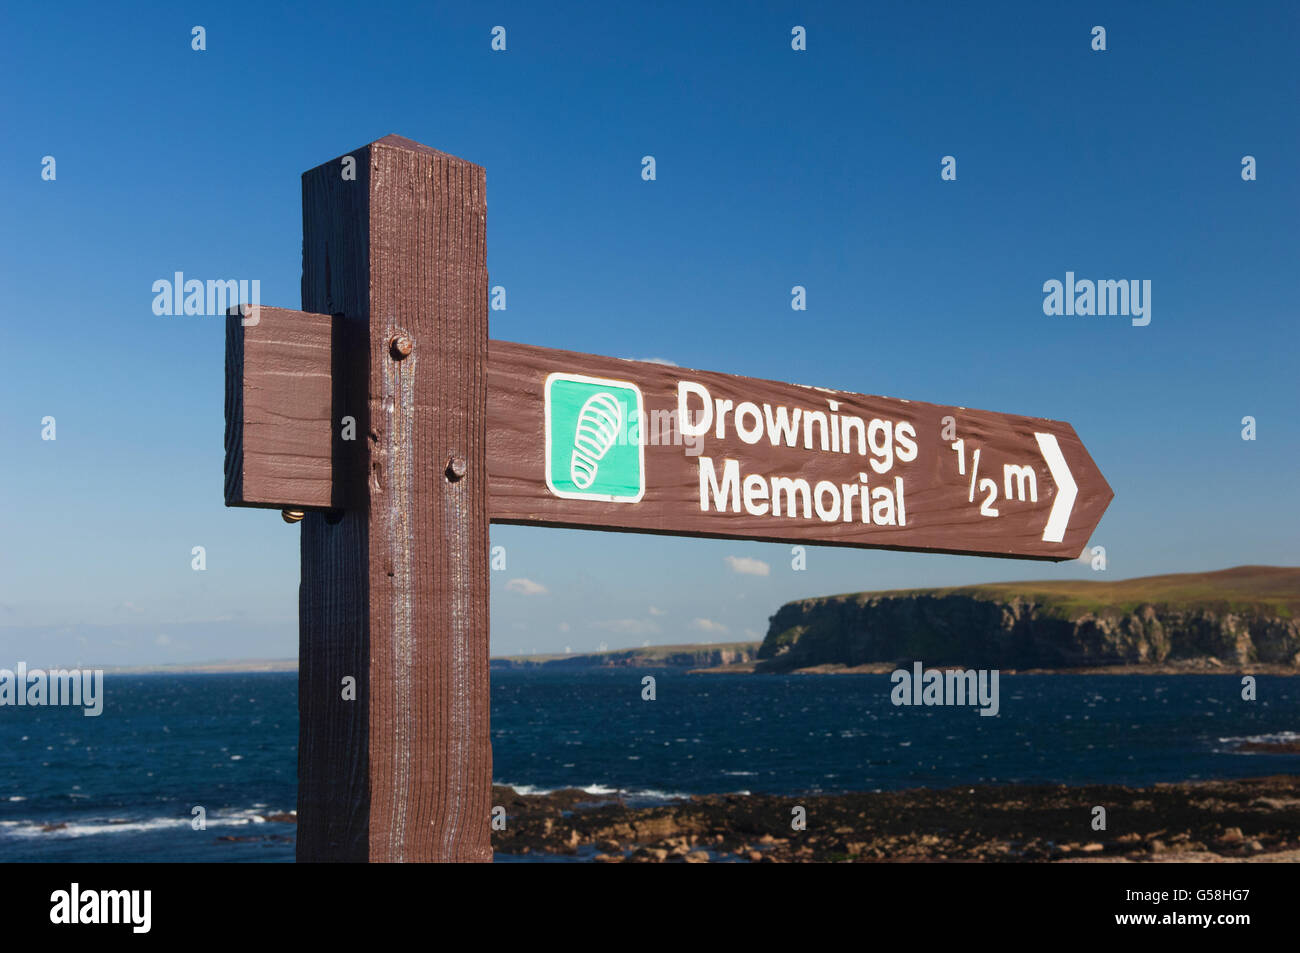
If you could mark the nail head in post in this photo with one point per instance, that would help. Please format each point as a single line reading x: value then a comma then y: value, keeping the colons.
x: 456, y: 467
x: 400, y: 347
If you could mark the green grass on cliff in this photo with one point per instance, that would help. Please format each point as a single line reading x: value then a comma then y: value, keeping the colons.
x: 1272, y: 590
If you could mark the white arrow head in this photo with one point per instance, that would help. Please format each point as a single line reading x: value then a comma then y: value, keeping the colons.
x: 1066, y: 489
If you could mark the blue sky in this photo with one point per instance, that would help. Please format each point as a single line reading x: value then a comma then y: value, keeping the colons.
x: 775, y: 168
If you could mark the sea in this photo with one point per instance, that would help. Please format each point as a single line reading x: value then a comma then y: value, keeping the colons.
x: 169, y: 750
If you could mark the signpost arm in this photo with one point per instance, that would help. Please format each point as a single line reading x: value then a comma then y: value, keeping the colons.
x: 394, y: 589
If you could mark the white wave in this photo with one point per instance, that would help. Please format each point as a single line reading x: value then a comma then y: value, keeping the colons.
x: 526, y: 789
x: 600, y: 790
x: 1280, y: 737
x: 87, y: 828
x: 655, y: 795
x: 90, y: 827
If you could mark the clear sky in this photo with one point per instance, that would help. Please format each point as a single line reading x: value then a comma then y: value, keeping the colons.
x: 775, y: 168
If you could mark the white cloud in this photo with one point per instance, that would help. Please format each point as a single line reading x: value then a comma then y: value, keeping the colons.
x: 564, y: 627
x: 708, y: 625
x: 163, y: 639
x: 748, y: 567
x: 654, y: 610
x: 627, y: 626
x: 526, y: 587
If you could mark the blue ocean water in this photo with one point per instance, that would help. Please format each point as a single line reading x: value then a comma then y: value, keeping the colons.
x: 123, y: 786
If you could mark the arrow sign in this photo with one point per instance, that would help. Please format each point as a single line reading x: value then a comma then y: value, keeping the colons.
x: 591, y: 442
x: 1066, y: 489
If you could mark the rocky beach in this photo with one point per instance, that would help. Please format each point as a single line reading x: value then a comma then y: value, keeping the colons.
x: 1250, y: 820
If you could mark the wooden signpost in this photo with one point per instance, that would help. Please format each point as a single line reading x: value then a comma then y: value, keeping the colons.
x: 383, y: 412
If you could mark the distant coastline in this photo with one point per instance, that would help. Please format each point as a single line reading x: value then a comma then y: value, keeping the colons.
x: 628, y: 658
x: 221, y: 667
x: 1244, y: 620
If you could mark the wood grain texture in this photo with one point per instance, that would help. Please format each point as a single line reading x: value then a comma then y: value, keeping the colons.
x: 333, y: 596
x: 395, y: 592
x: 278, y: 404
x: 939, y: 514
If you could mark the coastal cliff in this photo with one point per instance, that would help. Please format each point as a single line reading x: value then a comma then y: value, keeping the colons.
x: 1233, y: 617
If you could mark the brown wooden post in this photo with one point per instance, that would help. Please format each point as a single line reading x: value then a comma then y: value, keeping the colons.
x: 394, y: 586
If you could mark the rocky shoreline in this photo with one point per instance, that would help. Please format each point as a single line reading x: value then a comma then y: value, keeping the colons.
x: 1250, y: 820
